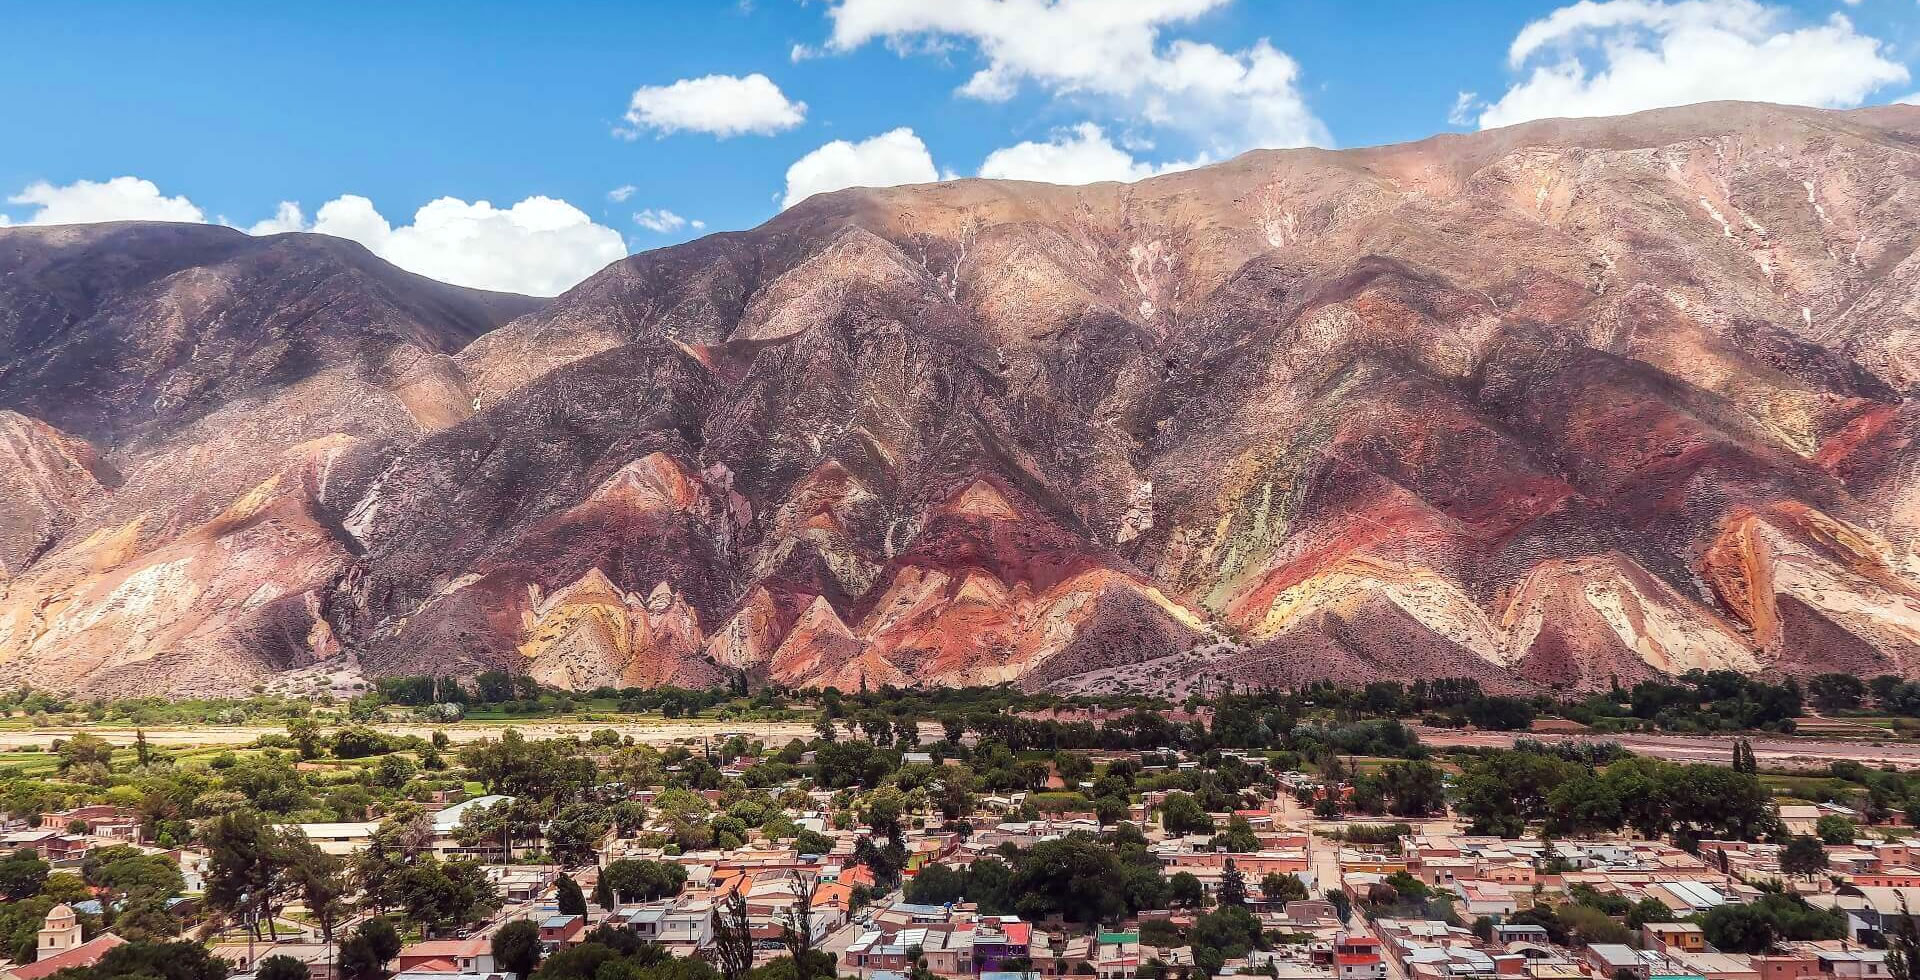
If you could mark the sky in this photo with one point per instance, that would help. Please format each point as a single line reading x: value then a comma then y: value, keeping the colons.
x: 524, y: 146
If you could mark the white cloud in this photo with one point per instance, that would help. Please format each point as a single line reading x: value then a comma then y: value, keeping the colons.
x: 1109, y: 51
x: 659, y: 219
x: 891, y: 158
x: 1464, y: 106
x: 1605, y: 57
x: 1081, y: 155
x: 1913, y: 99
x: 286, y: 218
x: 621, y: 193
x: 696, y: 224
x: 119, y: 199
x: 540, y: 246
x: 723, y: 105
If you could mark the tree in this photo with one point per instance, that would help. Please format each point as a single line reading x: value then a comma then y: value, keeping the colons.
x: 84, y: 750
x: 1076, y: 877
x: 1903, y: 946
x: 1233, y: 885
x: 572, y: 900
x: 1180, y: 815
x: 1238, y: 838
x: 575, y: 832
x: 364, y: 956
x: 1754, y: 927
x: 22, y: 874
x: 516, y: 947
x: 1803, y: 856
x: 1278, y: 887
x: 1833, y: 693
x: 1743, y: 760
x: 305, y: 733
x: 812, y: 842
x: 1835, y: 829
x: 280, y: 967
x: 154, y: 961
x: 796, y: 934
x: 323, y: 885
x: 733, y: 937
x: 937, y: 884
x: 1184, y: 891
x: 603, y: 893
x: 643, y: 881
x: 247, y: 861
x: 1342, y: 905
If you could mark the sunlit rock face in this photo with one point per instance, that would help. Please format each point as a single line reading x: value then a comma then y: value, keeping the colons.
x: 1553, y: 406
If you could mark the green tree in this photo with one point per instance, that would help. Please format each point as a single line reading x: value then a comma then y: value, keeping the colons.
x: 1181, y: 815
x: 305, y: 733
x: 1184, y: 891
x: 1279, y: 887
x: 1836, y: 829
x: 1233, y: 885
x: 572, y: 901
x: 1833, y: 693
x: 516, y: 947
x: 1754, y: 927
x: 280, y: 967
x: 374, y: 943
x: 22, y: 874
x: 1238, y: 838
x: 153, y: 961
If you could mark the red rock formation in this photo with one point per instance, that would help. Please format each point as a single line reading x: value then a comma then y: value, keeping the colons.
x: 1549, y: 406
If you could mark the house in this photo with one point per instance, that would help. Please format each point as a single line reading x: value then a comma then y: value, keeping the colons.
x: 1488, y: 898
x: 60, y: 947
x: 1507, y: 932
x: 1357, y: 957
x: 100, y: 820
x: 445, y: 956
x: 339, y: 839
x: 317, y: 957
x: 1615, y: 959
x: 1678, y: 937
x: 557, y: 931
x: 446, y: 822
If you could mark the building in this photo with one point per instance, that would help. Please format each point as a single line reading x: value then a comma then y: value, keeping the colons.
x: 557, y: 931
x: 1615, y: 959
x: 1357, y: 957
x: 60, y: 947
x: 447, y: 956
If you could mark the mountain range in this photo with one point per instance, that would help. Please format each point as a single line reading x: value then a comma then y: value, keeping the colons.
x: 1554, y: 406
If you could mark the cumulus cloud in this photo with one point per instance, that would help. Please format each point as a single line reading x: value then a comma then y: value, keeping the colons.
x: 1464, y: 106
x: 287, y: 217
x: 891, y: 158
x: 119, y: 199
x: 1105, y: 51
x: 722, y: 105
x: 659, y: 219
x: 1913, y: 99
x: 540, y: 246
x: 621, y: 193
x: 1605, y: 57
x: 1080, y: 155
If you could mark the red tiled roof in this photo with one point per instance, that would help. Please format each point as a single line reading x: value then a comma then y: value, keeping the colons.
x: 85, y: 954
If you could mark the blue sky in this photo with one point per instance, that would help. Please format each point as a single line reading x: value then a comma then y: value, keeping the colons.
x: 222, y: 111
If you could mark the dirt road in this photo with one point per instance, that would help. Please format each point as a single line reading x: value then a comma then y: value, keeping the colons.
x: 1783, y: 751
x: 650, y: 732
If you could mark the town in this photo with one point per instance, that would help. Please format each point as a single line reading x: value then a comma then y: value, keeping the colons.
x: 907, y: 835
